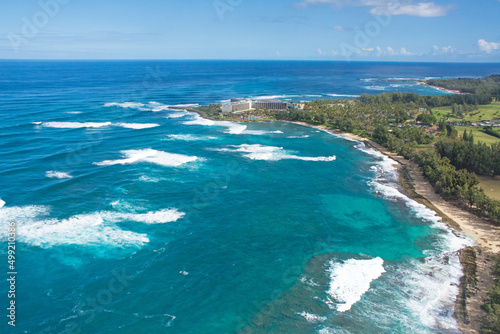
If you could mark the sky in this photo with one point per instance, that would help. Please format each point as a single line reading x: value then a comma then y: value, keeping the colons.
x: 352, y: 30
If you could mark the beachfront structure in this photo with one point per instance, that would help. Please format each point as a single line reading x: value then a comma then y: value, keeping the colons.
x: 241, y: 104
x: 270, y: 105
x: 236, y: 105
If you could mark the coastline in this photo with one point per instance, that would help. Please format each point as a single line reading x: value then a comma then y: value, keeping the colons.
x: 477, y: 262
x: 451, y: 91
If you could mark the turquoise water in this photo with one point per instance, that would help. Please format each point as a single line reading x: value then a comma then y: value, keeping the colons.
x: 136, y: 218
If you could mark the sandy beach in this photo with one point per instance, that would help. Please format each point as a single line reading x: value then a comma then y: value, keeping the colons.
x: 451, y: 91
x: 487, y: 237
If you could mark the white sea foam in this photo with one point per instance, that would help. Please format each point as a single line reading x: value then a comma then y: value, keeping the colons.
x: 350, y: 280
x: 295, y: 137
x: 74, y: 112
x: 431, y: 285
x: 312, y: 318
x: 157, y: 106
x: 149, y: 179
x: 343, y: 95
x: 231, y: 127
x: 150, y: 156
x: 75, y: 125
x: 137, y: 126
x: 2, y: 203
x: 35, y: 229
x: 272, y: 153
x: 186, y: 105
x: 153, y: 217
x: 178, y: 114
x: 198, y: 120
x: 189, y: 137
x: 57, y: 175
x: 260, y: 132
x: 133, y: 105
x: 273, y: 97
x: 375, y: 87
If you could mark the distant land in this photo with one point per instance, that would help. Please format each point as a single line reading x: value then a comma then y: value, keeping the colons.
x: 455, y: 141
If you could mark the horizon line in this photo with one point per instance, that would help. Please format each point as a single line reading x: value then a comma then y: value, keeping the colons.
x: 275, y: 60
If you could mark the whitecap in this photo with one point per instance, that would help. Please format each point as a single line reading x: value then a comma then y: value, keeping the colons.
x: 138, y: 126
x: 273, y: 97
x: 295, y: 137
x: 150, y: 156
x: 350, y: 280
x: 149, y: 179
x: 431, y: 286
x: 198, y: 120
x: 375, y: 87
x: 187, y: 105
x: 178, y: 114
x: 57, y: 175
x: 189, y: 137
x: 153, y: 217
x: 2, y: 203
x: 87, y: 229
x: 272, y: 153
x: 312, y: 318
x: 342, y: 95
x: 157, y: 106
x: 75, y: 125
x: 134, y: 105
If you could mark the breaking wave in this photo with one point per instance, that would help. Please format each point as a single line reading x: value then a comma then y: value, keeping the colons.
x: 57, y: 175
x: 150, y: 156
x: 350, y: 280
x: 272, y: 153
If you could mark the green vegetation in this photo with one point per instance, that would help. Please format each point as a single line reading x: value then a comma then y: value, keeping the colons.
x: 427, y: 119
x: 489, y: 86
x: 449, y: 156
x: 211, y: 110
x: 479, y: 134
x: 491, y: 323
x: 482, y: 113
x: 491, y: 186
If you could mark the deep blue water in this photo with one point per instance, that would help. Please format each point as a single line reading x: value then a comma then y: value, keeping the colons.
x: 136, y: 218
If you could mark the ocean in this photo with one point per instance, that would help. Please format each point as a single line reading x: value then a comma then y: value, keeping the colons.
x: 133, y: 217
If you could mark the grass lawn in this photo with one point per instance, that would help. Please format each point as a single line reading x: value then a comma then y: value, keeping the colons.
x: 491, y: 186
x: 478, y: 135
x: 484, y: 113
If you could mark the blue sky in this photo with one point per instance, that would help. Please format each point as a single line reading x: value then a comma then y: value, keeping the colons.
x: 378, y: 30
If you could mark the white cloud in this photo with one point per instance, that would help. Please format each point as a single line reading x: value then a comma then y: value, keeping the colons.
x: 383, y: 7
x: 422, y: 9
x: 390, y: 51
x: 436, y: 50
x: 488, y: 47
x: 405, y: 52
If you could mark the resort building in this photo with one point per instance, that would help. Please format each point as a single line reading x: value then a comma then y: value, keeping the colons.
x: 270, y: 105
x: 237, y: 105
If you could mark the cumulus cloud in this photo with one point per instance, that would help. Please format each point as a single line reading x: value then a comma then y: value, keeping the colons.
x: 383, y: 7
x: 436, y: 50
x: 488, y: 47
